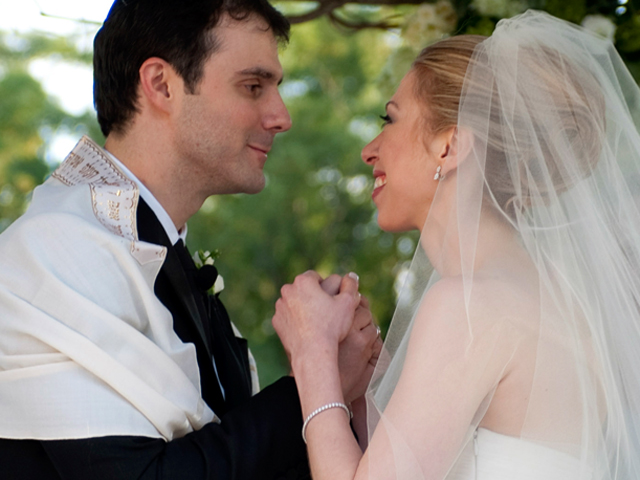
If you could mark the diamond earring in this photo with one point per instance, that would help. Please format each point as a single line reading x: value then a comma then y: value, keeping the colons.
x: 438, y: 175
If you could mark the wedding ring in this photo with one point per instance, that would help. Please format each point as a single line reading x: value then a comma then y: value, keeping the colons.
x: 377, y: 331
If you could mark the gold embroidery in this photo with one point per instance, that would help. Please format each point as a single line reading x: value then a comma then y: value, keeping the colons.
x: 88, y: 171
x: 110, y: 188
x: 114, y: 196
x: 105, y: 181
x: 114, y: 210
x: 74, y: 160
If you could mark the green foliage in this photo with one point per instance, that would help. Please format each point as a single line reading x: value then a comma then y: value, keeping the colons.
x: 26, y: 114
x: 481, y: 26
x: 23, y: 109
x: 573, y: 10
x: 628, y: 35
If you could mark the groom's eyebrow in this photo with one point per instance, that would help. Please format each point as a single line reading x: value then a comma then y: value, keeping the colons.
x: 262, y: 73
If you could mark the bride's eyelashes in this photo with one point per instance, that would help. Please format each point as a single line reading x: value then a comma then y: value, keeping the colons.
x: 386, y: 119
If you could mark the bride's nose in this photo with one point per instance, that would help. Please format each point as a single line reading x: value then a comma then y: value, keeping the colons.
x: 370, y: 152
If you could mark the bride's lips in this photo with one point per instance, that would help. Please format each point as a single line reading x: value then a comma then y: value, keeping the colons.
x: 380, y: 181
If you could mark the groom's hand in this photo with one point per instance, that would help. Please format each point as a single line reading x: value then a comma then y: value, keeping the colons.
x: 312, y: 323
x: 359, y: 351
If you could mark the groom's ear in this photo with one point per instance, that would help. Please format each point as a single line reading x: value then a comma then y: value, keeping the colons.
x: 457, y: 145
x: 159, y: 85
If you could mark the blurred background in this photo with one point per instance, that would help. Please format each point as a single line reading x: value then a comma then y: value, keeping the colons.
x: 342, y: 64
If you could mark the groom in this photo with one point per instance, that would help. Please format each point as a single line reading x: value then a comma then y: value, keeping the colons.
x: 115, y: 362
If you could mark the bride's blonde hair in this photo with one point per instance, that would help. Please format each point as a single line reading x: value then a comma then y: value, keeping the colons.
x: 440, y: 72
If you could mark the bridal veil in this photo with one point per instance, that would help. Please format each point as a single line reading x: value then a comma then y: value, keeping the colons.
x: 550, y: 115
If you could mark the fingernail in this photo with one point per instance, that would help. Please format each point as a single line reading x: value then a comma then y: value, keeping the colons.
x: 354, y: 276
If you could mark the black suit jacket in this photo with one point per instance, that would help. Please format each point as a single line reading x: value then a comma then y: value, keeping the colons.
x: 258, y: 438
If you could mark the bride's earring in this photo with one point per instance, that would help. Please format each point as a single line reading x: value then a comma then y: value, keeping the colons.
x: 438, y: 175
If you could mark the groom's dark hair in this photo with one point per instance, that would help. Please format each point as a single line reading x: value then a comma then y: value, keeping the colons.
x: 178, y: 31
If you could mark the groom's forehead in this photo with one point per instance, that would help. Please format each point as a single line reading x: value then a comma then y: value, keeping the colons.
x: 246, y: 48
x: 252, y: 30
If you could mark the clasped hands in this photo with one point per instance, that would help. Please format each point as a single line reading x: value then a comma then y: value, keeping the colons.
x: 323, y: 319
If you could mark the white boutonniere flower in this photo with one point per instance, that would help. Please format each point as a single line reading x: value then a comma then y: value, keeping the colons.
x: 205, y: 257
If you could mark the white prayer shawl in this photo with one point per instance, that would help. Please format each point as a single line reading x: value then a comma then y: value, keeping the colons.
x: 86, y: 348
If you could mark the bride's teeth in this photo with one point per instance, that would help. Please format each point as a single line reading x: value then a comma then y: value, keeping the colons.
x: 380, y: 181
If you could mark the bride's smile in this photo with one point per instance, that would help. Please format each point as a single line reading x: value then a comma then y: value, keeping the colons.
x: 380, y: 181
x: 403, y: 169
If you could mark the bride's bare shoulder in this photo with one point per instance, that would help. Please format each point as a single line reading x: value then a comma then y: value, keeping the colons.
x: 464, y: 331
x: 487, y: 304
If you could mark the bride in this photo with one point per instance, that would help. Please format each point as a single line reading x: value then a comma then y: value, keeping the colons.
x: 514, y: 352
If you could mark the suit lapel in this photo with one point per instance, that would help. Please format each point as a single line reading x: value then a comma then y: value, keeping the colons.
x: 150, y: 230
x: 176, y: 276
x: 231, y: 354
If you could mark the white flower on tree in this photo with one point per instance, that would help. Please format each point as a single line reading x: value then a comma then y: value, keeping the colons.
x: 600, y: 25
x: 429, y: 23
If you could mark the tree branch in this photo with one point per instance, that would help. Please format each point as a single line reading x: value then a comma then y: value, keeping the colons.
x: 370, y: 2
x: 324, y: 7
x: 328, y: 7
x: 361, y: 25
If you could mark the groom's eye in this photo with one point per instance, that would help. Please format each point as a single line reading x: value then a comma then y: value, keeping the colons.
x: 253, y: 88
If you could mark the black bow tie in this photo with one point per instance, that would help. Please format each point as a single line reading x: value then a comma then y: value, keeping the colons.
x: 206, y: 276
x: 203, y: 277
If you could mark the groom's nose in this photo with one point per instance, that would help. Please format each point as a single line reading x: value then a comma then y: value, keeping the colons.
x: 278, y: 120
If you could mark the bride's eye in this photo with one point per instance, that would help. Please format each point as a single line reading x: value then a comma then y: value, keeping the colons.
x: 386, y: 119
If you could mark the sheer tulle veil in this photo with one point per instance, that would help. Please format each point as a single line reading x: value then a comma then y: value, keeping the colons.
x: 548, y: 119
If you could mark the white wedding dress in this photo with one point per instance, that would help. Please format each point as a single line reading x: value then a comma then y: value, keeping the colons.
x: 493, y: 456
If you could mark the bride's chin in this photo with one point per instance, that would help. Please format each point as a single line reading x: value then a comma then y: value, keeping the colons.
x: 383, y: 225
x: 393, y: 225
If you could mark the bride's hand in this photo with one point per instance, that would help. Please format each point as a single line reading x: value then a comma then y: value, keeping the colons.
x: 307, y: 318
x: 358, y: 352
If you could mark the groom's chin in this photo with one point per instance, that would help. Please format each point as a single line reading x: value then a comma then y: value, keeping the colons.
x: 249, y: 184
x: 256, y: 187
